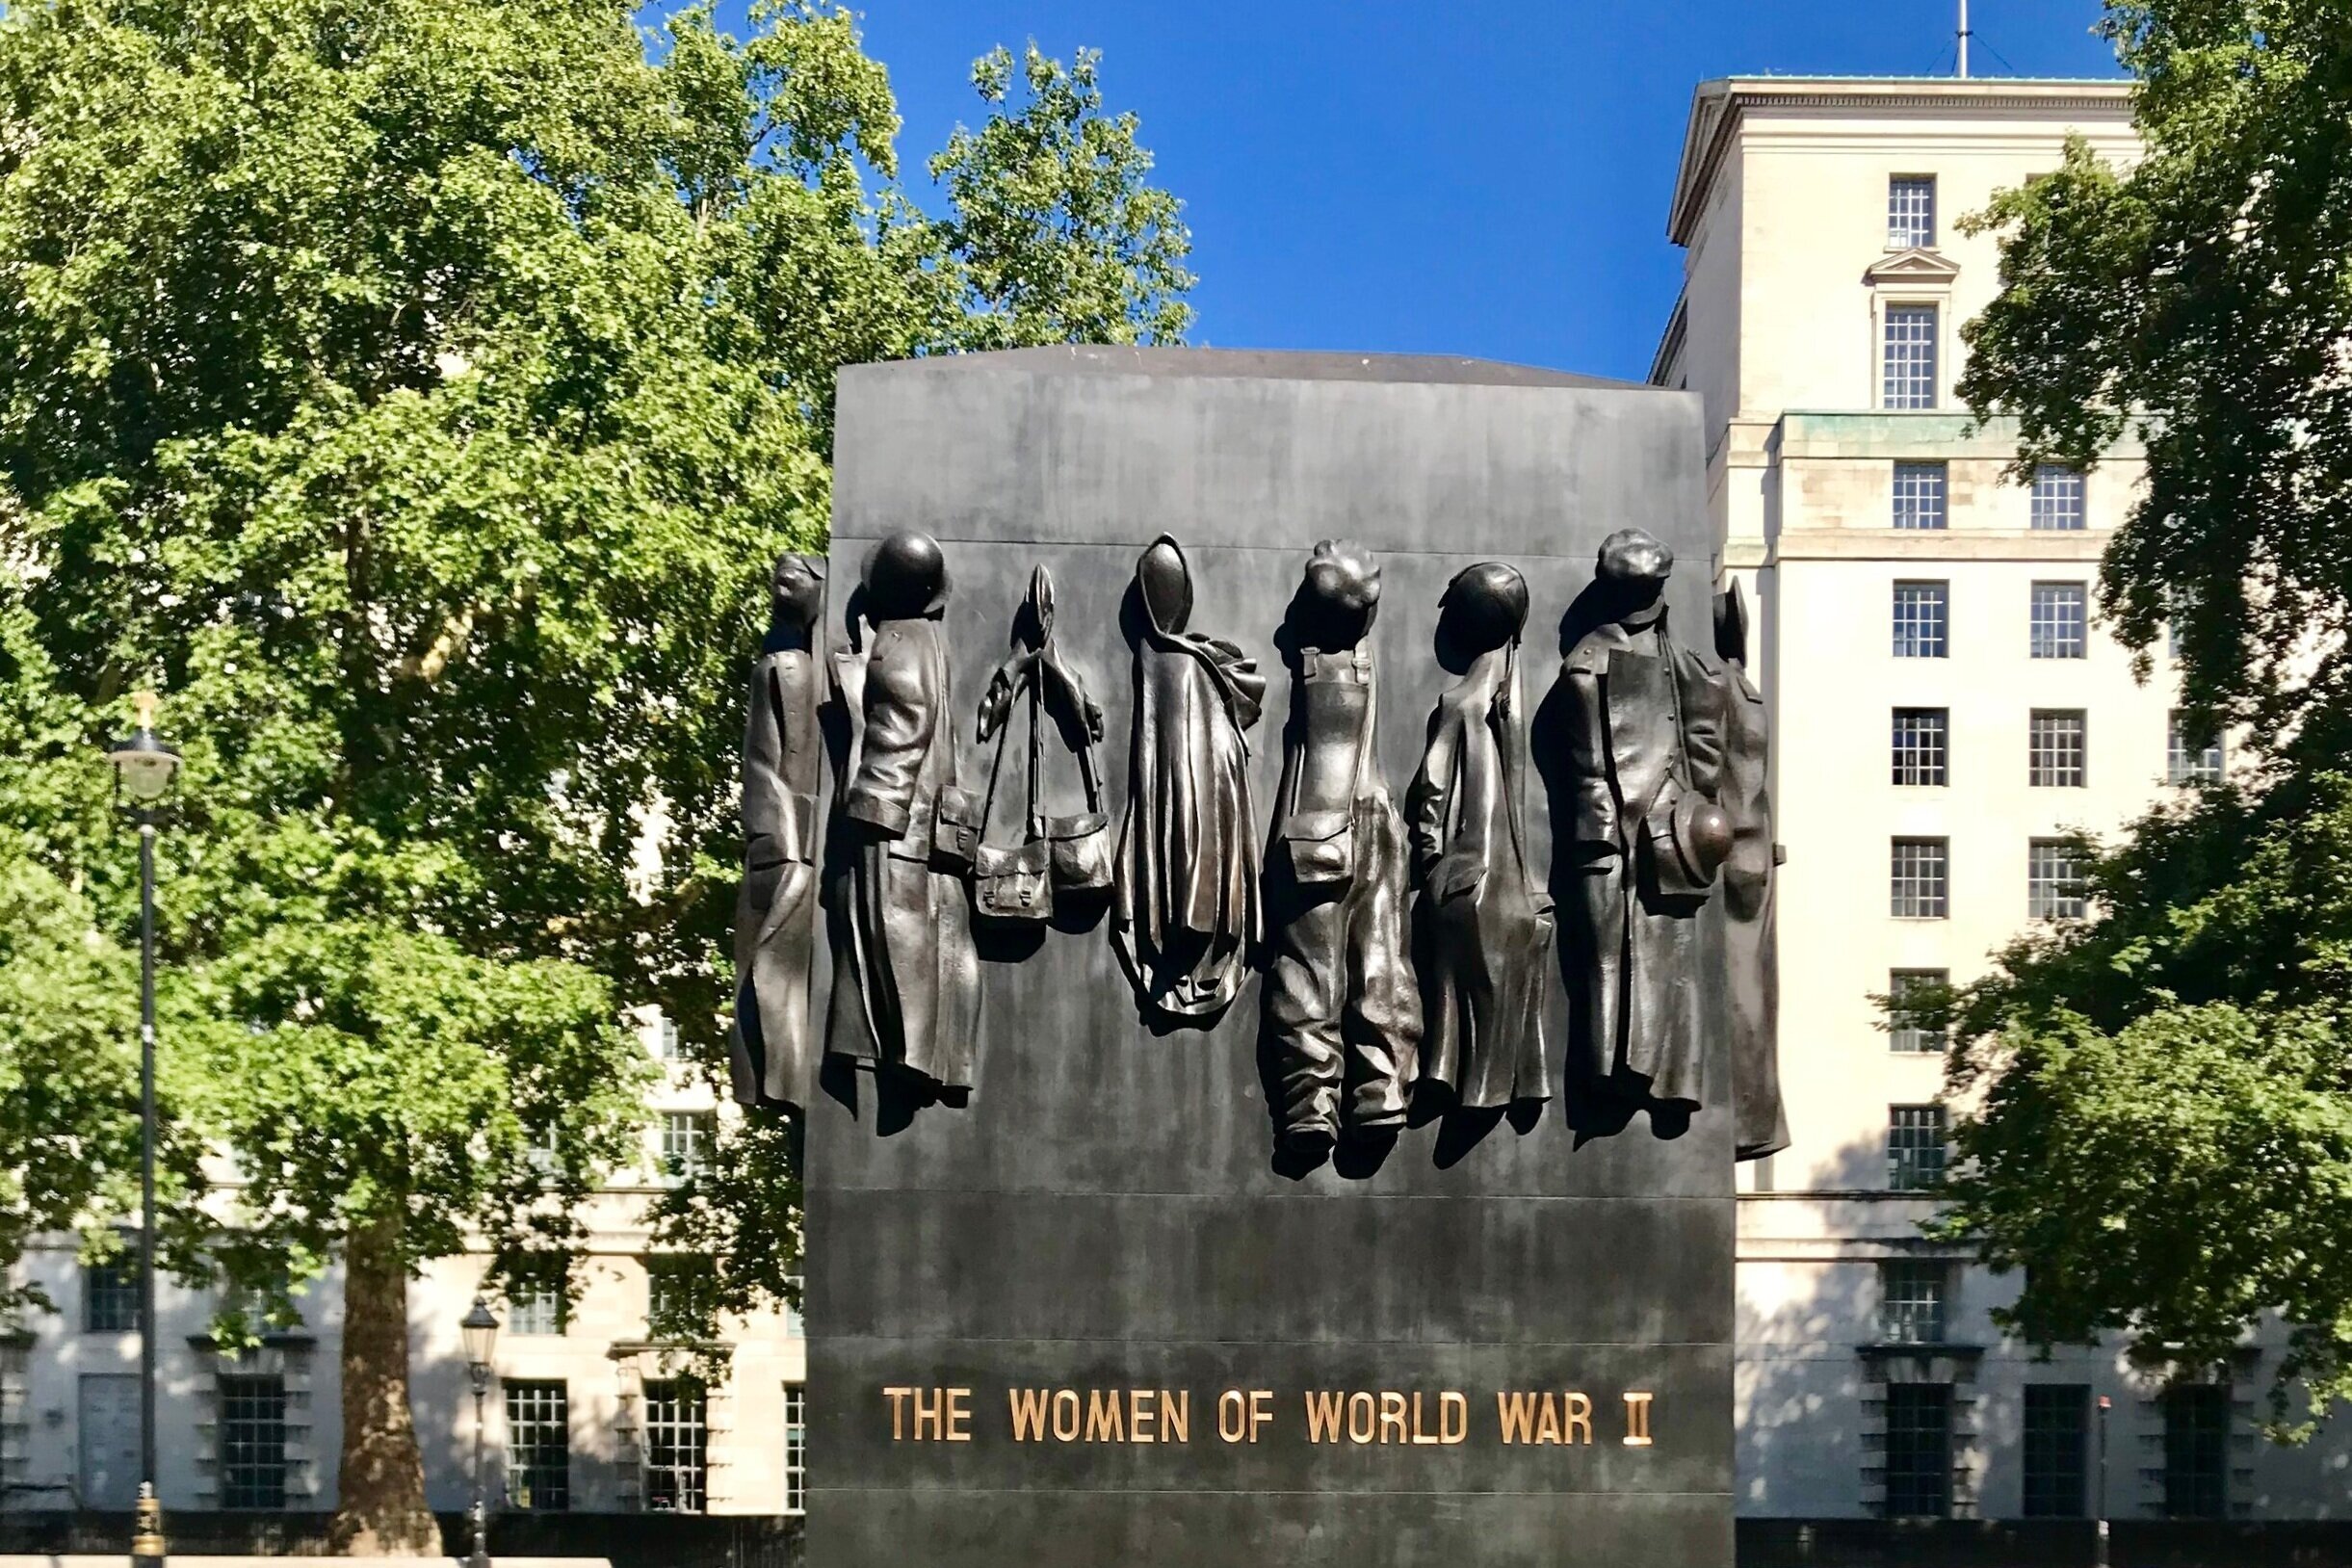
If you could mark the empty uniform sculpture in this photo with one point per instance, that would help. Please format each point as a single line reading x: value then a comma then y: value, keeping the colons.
x: 1486, y: 933
x: 773, y: 1056
x: 1341, y: 1007
x: 1645, y: 742
x: 1185, y: 904
x: 1751, y: 928
x: 913, y: 981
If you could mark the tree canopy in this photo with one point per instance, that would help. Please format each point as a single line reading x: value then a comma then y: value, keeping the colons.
x: 2163, y: 1138
x: 415, y: 392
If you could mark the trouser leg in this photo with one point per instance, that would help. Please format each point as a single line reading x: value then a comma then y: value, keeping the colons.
x: 1303, y: 987
x: 1381, y: 1019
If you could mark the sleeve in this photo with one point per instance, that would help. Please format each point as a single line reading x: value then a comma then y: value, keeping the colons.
x: 1429, y: 799
x: 900, y: 715
x: 764, y: 787
x: 1594, y: 804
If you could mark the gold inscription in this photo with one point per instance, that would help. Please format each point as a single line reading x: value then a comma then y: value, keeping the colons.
x: 1637, y: 1421
x: 1537, y: 1416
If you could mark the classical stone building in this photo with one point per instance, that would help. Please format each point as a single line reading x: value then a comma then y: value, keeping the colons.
x: 588, y: 1414
x: 1948, y: 709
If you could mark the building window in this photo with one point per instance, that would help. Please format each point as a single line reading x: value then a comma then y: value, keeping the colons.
x: 2060, y: 621
x: 1920, y: 735
x: 795, y: 1326
x: 686, y: 1143
x: 2055, y: 748
x: 1910, y: 371
x: 1922, y: 621
x: 666, y: 1046
x: 252, y: 1440
x: 680, y: 1297
x: 1911, y: 1293
x: 1921, y: 880
x: 1911, y: 212
x: 535, y: 1303
x: 2197, y: 1450
x: 675, y: 1443
x: 546, y: 1152
x: 2053, y: 880
x: 1918, y: 1450
x: 110, y: 1296
x: 796, y: 1448
x: 2057, y: 499
x: 1916, y: 1140
x: 1906, y: 1033
x: 2190, y: 757
x: 2057, y: 1434
x: 1918, y: 495
x: 539, y: 1446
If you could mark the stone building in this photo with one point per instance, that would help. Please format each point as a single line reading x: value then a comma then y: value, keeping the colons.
x: 1948, y: 708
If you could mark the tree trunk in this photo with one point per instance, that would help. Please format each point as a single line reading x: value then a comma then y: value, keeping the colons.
x: 380, y: 1506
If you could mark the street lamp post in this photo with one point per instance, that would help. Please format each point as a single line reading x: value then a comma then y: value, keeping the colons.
x: 143, y: 765
x: 480, y: 1329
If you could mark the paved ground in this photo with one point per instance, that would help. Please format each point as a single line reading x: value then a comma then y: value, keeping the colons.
x: 37, y: 1561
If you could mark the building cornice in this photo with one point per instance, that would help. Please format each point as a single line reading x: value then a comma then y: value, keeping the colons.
x: 1717, y: 107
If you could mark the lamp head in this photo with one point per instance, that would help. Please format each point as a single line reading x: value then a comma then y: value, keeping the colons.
x: 480, y: 1330
x: 143, y: 762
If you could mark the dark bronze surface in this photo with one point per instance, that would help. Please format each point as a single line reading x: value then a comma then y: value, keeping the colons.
x: 1485, y: 931
x: 912, y: 1002
x: 1342, y: 1010
x: 1751, y: 935
x: 1644, y: 734
x: 774, y: 1049
x: 1113, y: 1213
x: 1185, y: 899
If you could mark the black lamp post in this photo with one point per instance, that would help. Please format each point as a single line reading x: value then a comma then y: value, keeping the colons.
x: 143, y: 765
x: 479, y: 1328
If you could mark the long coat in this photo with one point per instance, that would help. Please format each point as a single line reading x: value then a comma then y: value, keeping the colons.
x: 914, y: 971
x: 1484, y: 933
x: 1185, y: 904
x: 1644, y: 714
x: 774, y: 1048
x: 1751, y: 934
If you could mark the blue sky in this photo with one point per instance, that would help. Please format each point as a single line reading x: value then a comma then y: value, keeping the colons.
x: 1487, y: 176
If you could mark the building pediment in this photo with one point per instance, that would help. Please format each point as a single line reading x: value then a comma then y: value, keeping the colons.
x: 1912, y: 266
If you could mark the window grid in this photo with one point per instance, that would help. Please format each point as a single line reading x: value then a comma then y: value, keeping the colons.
x: 539, y: 1445
x: 2197, y: 1450
x: 546, y: 1151
x: 2191, y: 761
x: 252, y: 1440
x: 2058, y: 1436
x: 1916, y: 1147
x: 1911, y: 1298
x: 796, y: 1448
x: 686, y: 1143
x: 2056, y: 748
x: 1911, y: 212
x: 110, y: 1297
x: 1922, y: 621
x: 666, y: 1046
x: 1920, y: 880
x: 535, y: 1304
x: 1918, y: 1450
x: 2060, y: 621
x: 1920, y: 493
x: 675, y: 1444
x: 1921, y: 745
x: 1909, y: 381
x: 681, y: 1296
x: 2053, y: 880
x: 2057, y: 499
x: 1906, y: 1035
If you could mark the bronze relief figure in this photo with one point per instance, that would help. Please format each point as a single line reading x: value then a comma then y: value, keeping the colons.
x: 1342, y: 1013
x: 911, y: 998
x: 1751, y: 921
x: 1485, y: 931
x: 1644, y: 718
x: 1185, y: 911
x: 773, y: 1054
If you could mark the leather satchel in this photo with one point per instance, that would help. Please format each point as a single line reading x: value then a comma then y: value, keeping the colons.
x: 1081, y: 851
x: 1015, y: 883
x: 956, y: 830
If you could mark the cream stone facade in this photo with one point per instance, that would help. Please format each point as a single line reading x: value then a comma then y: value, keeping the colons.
x: 68, y: 1384
x: 1821, y: 222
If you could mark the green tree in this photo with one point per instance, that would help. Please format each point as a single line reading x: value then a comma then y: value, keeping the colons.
x: 2164, y: 1138
x: 415, y: 391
